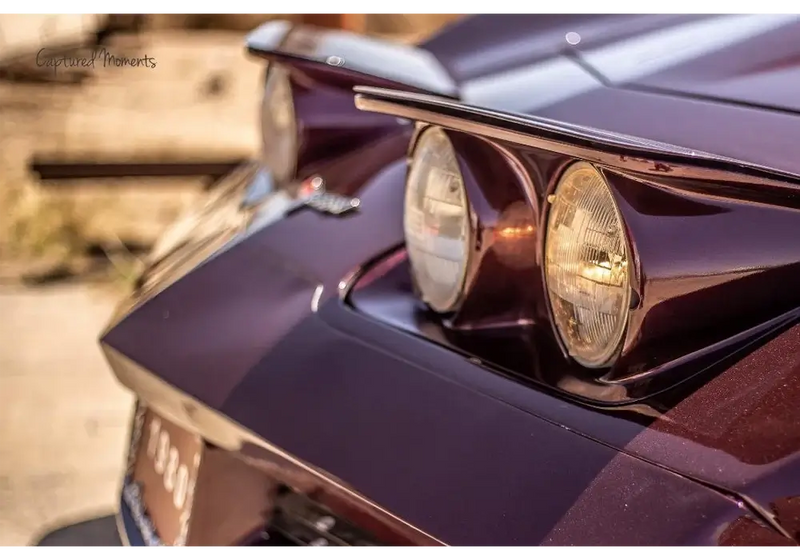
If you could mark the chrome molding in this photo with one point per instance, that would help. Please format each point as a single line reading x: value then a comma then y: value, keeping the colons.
x: 123, y: 534
x: 562, y: 138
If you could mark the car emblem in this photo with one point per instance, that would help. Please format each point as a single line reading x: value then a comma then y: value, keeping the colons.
x: 314, y: 195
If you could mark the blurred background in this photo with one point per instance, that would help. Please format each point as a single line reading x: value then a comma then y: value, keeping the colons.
x: 94, y: 163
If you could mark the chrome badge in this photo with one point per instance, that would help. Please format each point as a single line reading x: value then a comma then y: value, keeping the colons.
x: 317, y: 198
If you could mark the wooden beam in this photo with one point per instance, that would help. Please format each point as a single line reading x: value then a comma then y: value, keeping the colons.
x: 348, y: 22
x: 60, y: 170
x: 356, y: 23
x: 333, y: 21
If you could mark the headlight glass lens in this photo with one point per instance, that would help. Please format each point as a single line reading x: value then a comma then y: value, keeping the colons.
x: 278, y: 124
x: 437, y: 222
x: 586, y: 267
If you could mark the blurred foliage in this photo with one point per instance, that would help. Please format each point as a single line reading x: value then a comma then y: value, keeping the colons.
x: 43, y: 227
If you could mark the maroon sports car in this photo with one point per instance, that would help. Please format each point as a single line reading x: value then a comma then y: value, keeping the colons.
x: 532, y: 281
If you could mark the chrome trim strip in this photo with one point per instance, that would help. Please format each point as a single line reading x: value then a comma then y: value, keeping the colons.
x: 123, y: 534
x: 563, y: 138
x: 316, y: 297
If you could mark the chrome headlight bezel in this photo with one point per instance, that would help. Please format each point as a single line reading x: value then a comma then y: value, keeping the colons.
x: 620, y: 270
x: 280, y: 140
x: 442, y: 157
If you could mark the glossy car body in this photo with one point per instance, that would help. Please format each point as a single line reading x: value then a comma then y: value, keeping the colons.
x: 293, y: 339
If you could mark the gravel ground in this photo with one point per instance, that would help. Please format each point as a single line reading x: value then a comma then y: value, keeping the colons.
x: 63, y: 417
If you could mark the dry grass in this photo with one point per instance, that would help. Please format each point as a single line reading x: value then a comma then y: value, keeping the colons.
x: 30, y: 224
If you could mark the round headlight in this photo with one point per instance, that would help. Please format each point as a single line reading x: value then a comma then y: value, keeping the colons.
x: 586, y: 267
x: 437, y: 222
x: 278, y: 124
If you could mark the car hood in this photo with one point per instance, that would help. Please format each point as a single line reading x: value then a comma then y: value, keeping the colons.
x: 690, y: 81
x: 745, y: 59
x: 485, y: 45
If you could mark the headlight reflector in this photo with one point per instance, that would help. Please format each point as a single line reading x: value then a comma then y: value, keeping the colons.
x: 586, y: 267
x: 437, y: 222
x: 278, y: 124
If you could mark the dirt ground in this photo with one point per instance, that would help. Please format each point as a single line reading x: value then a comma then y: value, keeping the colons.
x: 63, y: 417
